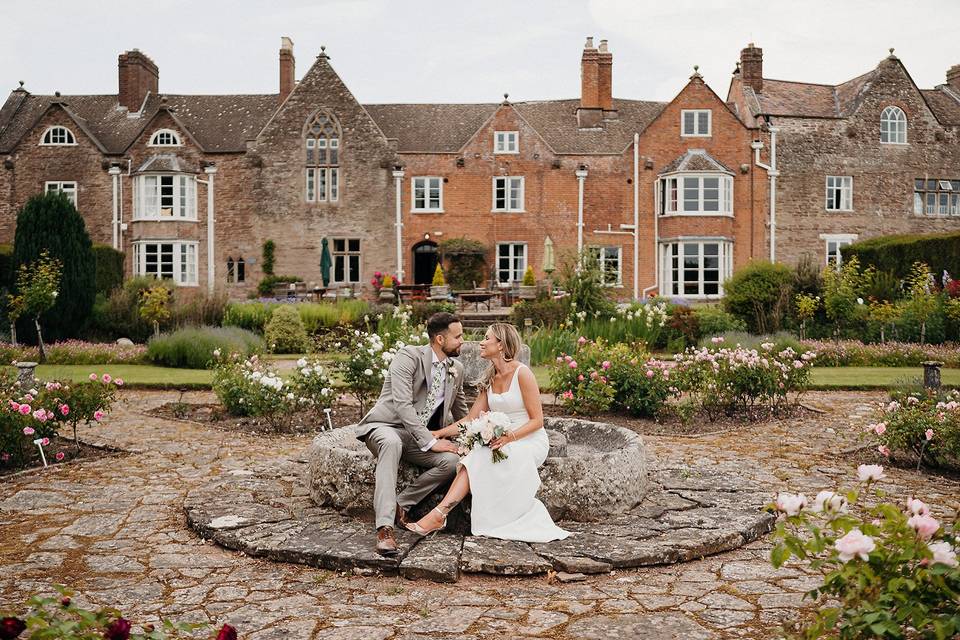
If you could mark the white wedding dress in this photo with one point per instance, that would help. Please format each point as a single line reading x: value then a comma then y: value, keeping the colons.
x: 505, y: 503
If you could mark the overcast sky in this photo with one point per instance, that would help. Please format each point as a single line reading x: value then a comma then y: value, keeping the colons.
x: 460, y: 51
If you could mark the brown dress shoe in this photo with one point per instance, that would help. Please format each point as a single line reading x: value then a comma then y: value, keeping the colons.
x: 402, y: 517
x: 386, y: 543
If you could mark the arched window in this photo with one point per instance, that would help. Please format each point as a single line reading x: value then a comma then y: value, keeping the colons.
x: 165, y: 138
x: 236, y: 270
x: 893, y: 126
x: 58, y: 136
x: 322, y: 146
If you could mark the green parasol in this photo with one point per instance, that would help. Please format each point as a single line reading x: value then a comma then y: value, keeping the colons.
x: 325, y: 263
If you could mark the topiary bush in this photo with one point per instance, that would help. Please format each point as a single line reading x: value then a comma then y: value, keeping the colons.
x: 284, y: 332
x: 712, y: 320
x: 438, y: 279
x: 199, y: 347
x: 760, y: 295
x: 50, y: 222
x: 528, y: 277
x: 109, y: 267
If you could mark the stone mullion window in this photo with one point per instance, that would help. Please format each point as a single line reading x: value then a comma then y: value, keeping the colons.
x: 935, y: 197
x: 322, y: 148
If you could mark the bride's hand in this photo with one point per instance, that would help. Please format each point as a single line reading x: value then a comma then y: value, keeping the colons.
x: 502, y: 441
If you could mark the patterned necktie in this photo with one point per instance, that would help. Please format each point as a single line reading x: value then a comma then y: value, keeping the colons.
x: 427, y: 411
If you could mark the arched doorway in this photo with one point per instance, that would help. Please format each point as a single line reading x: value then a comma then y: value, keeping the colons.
x: 425, y: 258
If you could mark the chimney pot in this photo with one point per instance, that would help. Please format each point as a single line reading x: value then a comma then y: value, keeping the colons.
x: 589, y: 44
x: 603, y: 46
x: 953, y: 77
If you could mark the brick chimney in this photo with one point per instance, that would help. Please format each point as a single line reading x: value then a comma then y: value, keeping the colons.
x: 287, y: 66
x: 138, y: 76
x: 953, y: 77
x: 605, y: 77
x: 751, y: 67
x: 589, y: 77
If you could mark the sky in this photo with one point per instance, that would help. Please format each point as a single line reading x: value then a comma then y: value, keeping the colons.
x: 461, y: 51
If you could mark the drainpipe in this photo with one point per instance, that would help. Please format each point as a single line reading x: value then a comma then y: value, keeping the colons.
x: 398, y: 223
x: 115, y: 225
x: 210, y: 170
x: 772, y: 172
x: 636, y: 216
x: 581, y: 174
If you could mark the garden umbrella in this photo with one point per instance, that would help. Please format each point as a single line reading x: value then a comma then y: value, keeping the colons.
x: 325, y: 262
x: 548, y: 259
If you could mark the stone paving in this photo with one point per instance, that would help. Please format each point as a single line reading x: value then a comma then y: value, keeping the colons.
x: 113, y: 528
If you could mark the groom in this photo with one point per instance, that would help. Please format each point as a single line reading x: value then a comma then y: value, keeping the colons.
x: 422, y: 392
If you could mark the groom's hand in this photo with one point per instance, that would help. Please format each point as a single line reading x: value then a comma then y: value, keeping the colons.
x: 444, y: 446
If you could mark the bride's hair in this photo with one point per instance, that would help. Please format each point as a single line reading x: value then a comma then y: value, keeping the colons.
x: 509, y: 338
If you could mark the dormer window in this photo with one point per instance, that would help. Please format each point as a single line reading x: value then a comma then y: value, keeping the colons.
x: 695, y: 122
x: 506, y: 142
x: 58, y: 136
x: 165, y: 138
x: 893, y: 126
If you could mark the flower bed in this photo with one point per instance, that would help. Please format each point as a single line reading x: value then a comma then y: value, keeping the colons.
x: 921, y: 427
x: 852, y: 353
x: 888, y: 570
x: 76, y: 352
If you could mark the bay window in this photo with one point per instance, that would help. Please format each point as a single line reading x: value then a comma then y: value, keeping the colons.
x: 692, y: 194
x: 163, y: 196
x: 166, y: 260
x: 696, y: 268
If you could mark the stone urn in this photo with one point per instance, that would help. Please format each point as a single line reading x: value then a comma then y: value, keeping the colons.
x: 386, y: 295
x: 439, y: 292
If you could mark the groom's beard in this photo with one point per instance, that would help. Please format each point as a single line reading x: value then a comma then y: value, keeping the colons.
x: 454, y: 353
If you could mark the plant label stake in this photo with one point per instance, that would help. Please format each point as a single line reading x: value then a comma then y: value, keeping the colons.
x: 39, y: 443
x: 329, y: 421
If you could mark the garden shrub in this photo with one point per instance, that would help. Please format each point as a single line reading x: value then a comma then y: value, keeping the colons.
x: 466, y: 263
x: 759, y: 295
x: 50, y: 222
x: 528, y: 278
x: 543, y: 312
x: 853, y: 353
x: 284, y: 332
x: 109, y: 268
x: 312, y: 383
x: 684, y: 326
x: 896, y: 253
x: 421, y: 311
x: 198, y: 308
x: 888, y: 570
x: 269, y: 250
x: 198, y: 347
x: 920, y: 426
x: 712, y: 320
x: 585, y: 284
x: 6, y: 267
x: 266, y: 286
x: 118, y: 315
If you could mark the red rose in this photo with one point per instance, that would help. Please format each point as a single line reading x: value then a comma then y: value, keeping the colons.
x: 10, y: 628
x: 119, y: 629
x: 227, y: 633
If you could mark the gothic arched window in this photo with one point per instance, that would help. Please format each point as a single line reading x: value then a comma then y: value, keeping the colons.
x: 322, y: 146
x: 893, y: 126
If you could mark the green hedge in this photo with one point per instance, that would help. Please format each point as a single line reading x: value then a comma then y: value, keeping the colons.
x: 897, y: 253
x: 109, y: 263
x: 6, y: 266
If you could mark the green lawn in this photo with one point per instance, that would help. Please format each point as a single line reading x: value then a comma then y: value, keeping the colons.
x: 133, y: 375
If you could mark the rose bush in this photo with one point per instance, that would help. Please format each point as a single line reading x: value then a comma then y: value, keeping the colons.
x: 251, y: 388
x: 921, y: 426
x: 888, y: 570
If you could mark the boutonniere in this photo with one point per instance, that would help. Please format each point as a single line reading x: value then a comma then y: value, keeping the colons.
x: 452, y: 372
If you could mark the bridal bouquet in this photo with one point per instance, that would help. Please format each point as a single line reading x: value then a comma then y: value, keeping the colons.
x: 481, y: 431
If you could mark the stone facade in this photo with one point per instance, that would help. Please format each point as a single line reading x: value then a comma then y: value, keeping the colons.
x: 835, y: 131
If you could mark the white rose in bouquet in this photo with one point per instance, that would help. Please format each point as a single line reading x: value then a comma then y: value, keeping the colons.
x: 481, y: 431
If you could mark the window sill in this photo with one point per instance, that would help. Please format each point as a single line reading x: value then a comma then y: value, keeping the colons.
x: 696, y: 215
x: 839, y: 210
x: 58, y: 144
x: 506, y: 153
x: 946, y: 216
x: 427, y: 211
x: 508, y: 210
x: 696, y: 135
x: 895, y: 144
x: 318, y: 202
x: 165, y: 219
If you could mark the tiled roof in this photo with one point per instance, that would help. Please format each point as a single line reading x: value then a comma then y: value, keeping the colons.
x: 945, y: 104
x: 695, y: 160
x: 785, y: 98
x: 445, y: 128
x: 166, y: 162
x: 218, y: 123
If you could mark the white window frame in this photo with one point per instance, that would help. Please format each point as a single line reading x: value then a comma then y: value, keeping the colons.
x: 674, y: 183
x: 148, y: 200
x: 70, y: 138
x: 506, y: 142
x: 329, y: 180
x: 509, y: 205
x: 67, y: 187
x: 677, y: 287
x: 426, y: 183
x: 842, y: 185
x: 345, y: 256
x: 512, y: 256
x: 697, y: 121
x: 888, y: 119
x: 173, y: 135
x: 183, y: 256
x: 839, y: 240
x: 600, y: 253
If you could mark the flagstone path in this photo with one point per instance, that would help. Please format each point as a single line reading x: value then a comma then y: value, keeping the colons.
x: 113, y: 529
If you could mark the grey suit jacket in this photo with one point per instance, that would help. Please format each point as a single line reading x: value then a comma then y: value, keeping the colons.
x: 404, y: 393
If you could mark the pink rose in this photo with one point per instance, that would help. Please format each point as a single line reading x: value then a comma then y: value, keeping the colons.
x: 567, y: 358
x: 580, y: 377
x: 594, y: 375
x: 605, y: 365
x: 106, y: 378
x: 791, y: 504
x: 581, y: 340
x: 916, y: 507
x: 573, y: 364
x: 98, y: 415
x: 40, y: 414
x: 924, y: 524
x: 93, y: 376
x: 854, y: 545
x: 45, y: 441
x: 60, y: 456
x: 649, y: 373
x: 880, y: 428
x: 559, y: 359
x: 118, y: 382
x: 884, y: 450
x: 15, y: 405
x: 28, y: 431
x: 25, y: 409
x: 929, y: 434
x: 64, y: 409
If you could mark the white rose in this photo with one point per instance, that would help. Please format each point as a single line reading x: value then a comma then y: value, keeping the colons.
x: 943, y: 553
x: 368, y: 372
x: 302, y: 362
x: 487, y: 433
x: 829, y: 501
x: 870, y: 472
x: 791, y: 504
x: 854, y: 545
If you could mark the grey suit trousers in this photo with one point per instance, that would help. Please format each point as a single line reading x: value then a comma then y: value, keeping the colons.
x: 390, y: 445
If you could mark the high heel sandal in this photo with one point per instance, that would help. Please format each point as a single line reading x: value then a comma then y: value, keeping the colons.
x: 423, y: 533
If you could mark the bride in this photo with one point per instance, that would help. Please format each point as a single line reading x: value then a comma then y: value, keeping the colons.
x: 505, y: 503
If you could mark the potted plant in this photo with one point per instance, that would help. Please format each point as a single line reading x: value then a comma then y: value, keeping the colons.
x: 528, y: 286
x: 438, y: 287
x: 386, y: 289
